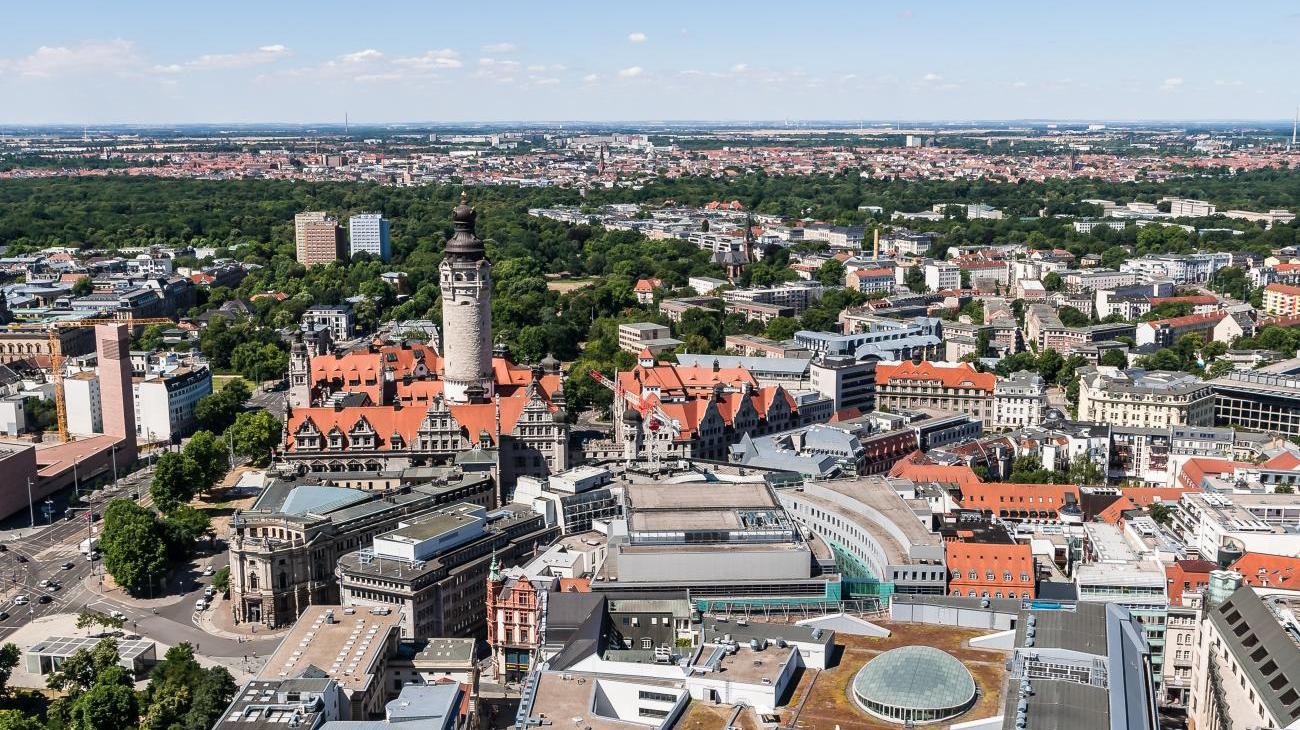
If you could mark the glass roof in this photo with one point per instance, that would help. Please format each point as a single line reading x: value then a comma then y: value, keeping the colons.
x: 917, y: 677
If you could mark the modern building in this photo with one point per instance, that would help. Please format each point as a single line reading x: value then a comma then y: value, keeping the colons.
x: 368, y: 233
x: 914, y: 685
x: 941, y: 275
x: 350, y: 646
x: 164, y: 404
x: 1246, y: 660
x: 433, y: 568
x: 1189, y: 208
x: 850, y: 383
x: 634, y: 337
x: 318, y: 239
x: 82, y: 403
x: 1149, y: 399
x: 306, y: 703
x: 1258, y: 401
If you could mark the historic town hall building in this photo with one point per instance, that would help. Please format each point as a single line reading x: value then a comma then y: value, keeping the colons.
x: 393, y: 405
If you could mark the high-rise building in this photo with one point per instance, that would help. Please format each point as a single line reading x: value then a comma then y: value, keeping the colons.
x: 318, y: 238
x: 118, y: 407
x: 368, y: 233
x: 466, y: 312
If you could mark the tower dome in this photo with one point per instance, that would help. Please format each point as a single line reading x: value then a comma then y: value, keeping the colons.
x: 464, y: 243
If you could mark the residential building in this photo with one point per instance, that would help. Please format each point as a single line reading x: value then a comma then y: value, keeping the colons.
x: 986, y: 561
x: 943, y: 387
x: 871, y: 281
x: 1150, y: 399
x: 318, y: 239
x: 1194, y: 268
x: 1019, y: 400
x: 848, y: 382
x: 368, y: 233
x: 1282, y: 300
x: 82, y: 403
x: 337, y: 318
x: 941, y: 275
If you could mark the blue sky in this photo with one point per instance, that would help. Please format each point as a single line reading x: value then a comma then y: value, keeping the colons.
x: 139, y: 61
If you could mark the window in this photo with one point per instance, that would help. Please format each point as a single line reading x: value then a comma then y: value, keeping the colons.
x: 647, y: 643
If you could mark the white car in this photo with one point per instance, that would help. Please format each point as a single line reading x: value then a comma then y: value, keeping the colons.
x: 209, y: 571
x: 200, y: 605
x: 117, y: 615
x: 45, y: 583
x: 22, y: 601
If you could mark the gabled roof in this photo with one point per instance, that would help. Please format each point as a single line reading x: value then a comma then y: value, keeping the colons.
x: 962, y: 375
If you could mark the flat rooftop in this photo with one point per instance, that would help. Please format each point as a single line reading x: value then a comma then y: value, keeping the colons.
x: 345, y: 650
x: 568, y: 702
x: 714, y: 495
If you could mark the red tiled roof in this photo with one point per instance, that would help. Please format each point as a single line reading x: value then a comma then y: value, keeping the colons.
x: 1197, y: 468
x: 1265, y: 570
x: 962, y: 375
x: 1209, y: 318
x: 1284, y: 460
x: 1190, y: 299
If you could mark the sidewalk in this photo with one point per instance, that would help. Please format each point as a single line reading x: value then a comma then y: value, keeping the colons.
x: 95, y: 584
x: 219, y: 622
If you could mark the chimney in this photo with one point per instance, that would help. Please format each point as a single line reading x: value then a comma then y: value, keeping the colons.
x: 875, y: 244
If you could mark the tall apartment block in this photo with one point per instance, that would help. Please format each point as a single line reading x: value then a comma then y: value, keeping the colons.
x: 117, y: 410
x: 318, y: 238
x: 368, y: 233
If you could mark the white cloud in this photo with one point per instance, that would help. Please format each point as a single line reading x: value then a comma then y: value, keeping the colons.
x: 431, y: 60
x: 636, y: 37
x: 630, y: 72
x: 369, y: 54
x: 548, y: 81
x: 498, y: 48
x: 590, y: 79
x: 932, y: 77
x: 115, y: 56
x: 537, y: 68
x: 1019, y: 84
x: 1172, y: 84
x: 740, y: 68
x: 1222, y: 82
x: 257, y: 57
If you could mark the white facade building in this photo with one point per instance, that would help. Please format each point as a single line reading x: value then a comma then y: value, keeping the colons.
x: 164, y: 405
x: 368, y: 233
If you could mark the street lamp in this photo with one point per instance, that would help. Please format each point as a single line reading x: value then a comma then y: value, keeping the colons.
x: 31, y: 507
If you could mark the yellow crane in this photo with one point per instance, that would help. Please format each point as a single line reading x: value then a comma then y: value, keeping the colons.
x: 56, y: 354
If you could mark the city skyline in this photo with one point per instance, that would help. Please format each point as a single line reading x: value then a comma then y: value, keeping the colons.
x: 299, y: 63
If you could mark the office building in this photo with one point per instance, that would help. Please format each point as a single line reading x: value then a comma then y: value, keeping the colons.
x: 1019, y: 400
x: 432, y: 569
x: 164, y: 403
x: 368, y: 233
x: 1258, y: 401
x: 942, y: 387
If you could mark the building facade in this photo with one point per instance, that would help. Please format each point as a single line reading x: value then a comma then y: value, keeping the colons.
x: 368, y: 233
x: 1147, y: 399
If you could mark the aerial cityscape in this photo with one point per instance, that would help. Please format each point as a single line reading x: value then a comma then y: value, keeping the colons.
x: 667, y: 367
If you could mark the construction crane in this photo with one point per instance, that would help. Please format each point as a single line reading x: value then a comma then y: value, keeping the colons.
x: 654, y: 416
x: 56, y: 354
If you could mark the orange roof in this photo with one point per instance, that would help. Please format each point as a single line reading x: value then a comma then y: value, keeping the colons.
x: 961, y: 375
x: 1285, y: 460
x: 917, y: 470
x: 1272, y: 571
x: 1209, y: 319
x: 994, y: 496
x: 1115, y: 512
x: 1284, y: 289
x: 1147, y: 496
x: 1198, y: 468
x: 648, y: 285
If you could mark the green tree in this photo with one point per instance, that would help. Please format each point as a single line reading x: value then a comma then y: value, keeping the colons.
x: 109, y: 704
x: 133, y: 545
x: 216, y: 411
x: 1072, y: 317
x: 175, y: 478
x: 9, y: 656
x: 18, y: 720
x: 1218, y: 369
x: 183, y: 526
x: 89, y: 619
x: 1284, y: 489
x: 182, y: 694
x: 1052, y: 282
x: 1085, y: 471
x: 1114, y: 358
x: 1161, y: 513
x: 210, y: 458
x: 254, y: 434
x: 831, y: 273
x: 221, y: 579
x: 77, y: 673
x: 781, y: 328
x: 259, y: 361
x: 83, y: 287
x: 914, y: 279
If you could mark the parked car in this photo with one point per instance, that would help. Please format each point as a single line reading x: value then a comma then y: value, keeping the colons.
x: 68, y: 565
x: 44, y: 599
x: 45, y: 583
x: 200, y: 604
x: 4, y: 615
x: 117, y: 615
x: 22, y: 601
x: 209, y: 571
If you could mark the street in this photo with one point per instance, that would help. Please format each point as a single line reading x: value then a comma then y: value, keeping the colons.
x: 31, y: 557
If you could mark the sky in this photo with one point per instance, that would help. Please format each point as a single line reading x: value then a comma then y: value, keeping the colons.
x: 142, y: 61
